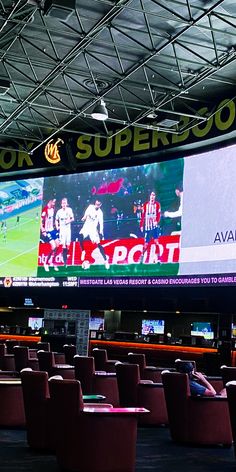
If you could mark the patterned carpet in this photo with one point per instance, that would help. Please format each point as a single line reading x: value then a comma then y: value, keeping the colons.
x: 155, y: 453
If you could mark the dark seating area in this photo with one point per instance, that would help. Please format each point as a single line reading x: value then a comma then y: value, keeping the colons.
x: 155, y: 452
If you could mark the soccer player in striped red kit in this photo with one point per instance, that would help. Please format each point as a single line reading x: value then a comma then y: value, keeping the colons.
x: 49, y: 234
x: 149, y: 223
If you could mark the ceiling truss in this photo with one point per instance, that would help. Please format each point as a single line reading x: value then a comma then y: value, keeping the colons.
x: 152, y: 62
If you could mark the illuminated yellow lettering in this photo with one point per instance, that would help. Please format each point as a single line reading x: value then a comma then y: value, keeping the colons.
x: 223, y: 125
x: 122, y: 139
x: 200, y: 132
x: 159, y: 136
x: 85, y: 149
x: 23, y: 156
x: 7, y: 159
x: 141, y: 135
x: 97, y: 146
x: 178, y: 138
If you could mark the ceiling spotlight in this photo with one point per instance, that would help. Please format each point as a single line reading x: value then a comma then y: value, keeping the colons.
x: 152, y: 114
x: 100, y: 111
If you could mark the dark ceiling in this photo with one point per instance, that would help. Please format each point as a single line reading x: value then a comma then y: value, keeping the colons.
x: 152, y: 61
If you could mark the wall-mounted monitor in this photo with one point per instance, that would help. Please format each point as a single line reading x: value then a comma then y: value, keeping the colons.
x: 153, y: 327
x: 96, y: 323
x: 233, y: 330
x: 35, y: 323
x: 200, y: 328
x: 139, y: 226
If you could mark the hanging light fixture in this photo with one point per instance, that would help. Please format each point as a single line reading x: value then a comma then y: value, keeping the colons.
x: 100, y: 111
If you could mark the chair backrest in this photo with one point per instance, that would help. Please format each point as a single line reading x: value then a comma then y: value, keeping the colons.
x: 2, y: 350
x: 43, y: 345
x: 69, y: 351
x: 21, y: 355
x: 228, y: 374
x: 46, y: 360
x: 36, y: 404
x: 84, y: 371
x: 66, y: 392
x: 100, y: 358
x: 10, y: 343
x: 128, y: 377
x: 177, y: 392
x: 136, y: 358
x: 231, y: 396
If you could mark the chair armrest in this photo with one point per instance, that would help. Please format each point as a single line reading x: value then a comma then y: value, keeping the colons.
x: 88, y: 406
x: 146, y: 381
x: 213, y: 377
x: 150, y: 385
x: 204, y: 398
x: 105, y: 374
x: 9, y: 373
x: 12, y: 382
x: 115, y: 411
x: 93, y: 398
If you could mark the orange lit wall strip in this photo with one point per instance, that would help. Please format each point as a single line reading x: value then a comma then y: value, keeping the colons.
x: 21, y: 338
x: 165, y: 347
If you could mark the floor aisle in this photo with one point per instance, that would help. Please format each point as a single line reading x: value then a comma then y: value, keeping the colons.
x: 155, y: 452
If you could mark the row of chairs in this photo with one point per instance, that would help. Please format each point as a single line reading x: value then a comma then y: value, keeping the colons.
x: 192, y: 420
x: 96, y: 438
x: 126, y: 387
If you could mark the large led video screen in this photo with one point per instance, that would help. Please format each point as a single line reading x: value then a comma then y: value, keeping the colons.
x: 159, y: 224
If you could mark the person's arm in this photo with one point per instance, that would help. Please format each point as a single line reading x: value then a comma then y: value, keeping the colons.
x: 142, y: 217
x: 70, y: 217
x: 210, y: 391
x: 158, y: 213
x: 85, y: 214
x: 57, y: 224
x: 43, y: 218
x: 100, y: 220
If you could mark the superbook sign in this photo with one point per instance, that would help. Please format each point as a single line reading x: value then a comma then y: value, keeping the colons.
x: 71, y: 152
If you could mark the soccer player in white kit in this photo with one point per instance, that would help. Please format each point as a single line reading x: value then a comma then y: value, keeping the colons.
x: 93, y: 229
x: 63, y: 220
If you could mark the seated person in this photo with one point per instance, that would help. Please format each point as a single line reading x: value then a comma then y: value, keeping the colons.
x: 198, y: 383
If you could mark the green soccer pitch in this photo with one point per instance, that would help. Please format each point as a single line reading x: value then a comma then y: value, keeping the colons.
x: 124, y: 270
x: 19, y: 244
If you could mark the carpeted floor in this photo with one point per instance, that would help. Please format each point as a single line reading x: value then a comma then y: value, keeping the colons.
x: 155, y: 452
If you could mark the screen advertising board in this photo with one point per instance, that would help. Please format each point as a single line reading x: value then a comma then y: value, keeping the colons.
x: 158, y: 224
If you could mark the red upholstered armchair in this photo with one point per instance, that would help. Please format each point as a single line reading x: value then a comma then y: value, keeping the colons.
x: 102, y: 362
x: 40, y: 433
x: 228, y: 374
x: 93, y: 439
x: 147, y: 372
x: 231, y: 395
x: 12, y: 413
x: 23, y: 360
x: 215, y: 380
x: 43, y: 346
x: 69, y: 351
x: 199, y: 420
x: 7, y: 361
x: 141, y: 393
x: 47, y: 363
x: 93, y: 382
